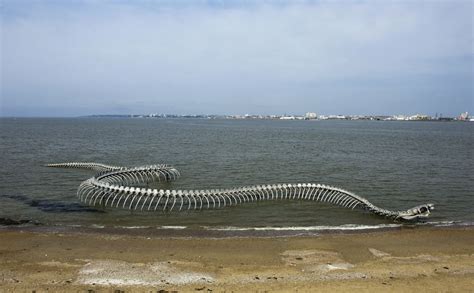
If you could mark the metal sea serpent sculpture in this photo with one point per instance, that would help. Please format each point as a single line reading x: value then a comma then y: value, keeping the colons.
x: 111, y: 186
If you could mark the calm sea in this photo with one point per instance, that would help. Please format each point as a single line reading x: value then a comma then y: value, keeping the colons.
x: 395, y: 165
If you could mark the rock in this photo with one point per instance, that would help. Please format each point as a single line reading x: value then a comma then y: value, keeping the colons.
x: 11, y: 222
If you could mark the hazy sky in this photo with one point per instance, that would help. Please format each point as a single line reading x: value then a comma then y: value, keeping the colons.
x: 69, y: 58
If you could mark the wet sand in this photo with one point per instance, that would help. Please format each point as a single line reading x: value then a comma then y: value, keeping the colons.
x: 407, y: 260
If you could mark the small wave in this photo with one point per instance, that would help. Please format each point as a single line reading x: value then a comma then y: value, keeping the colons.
x: 300, y: 230
x: 348, y: 227
x: 173, y: 227
x: 449, y: 223
x: 466, y: 224
x: 133, y: 227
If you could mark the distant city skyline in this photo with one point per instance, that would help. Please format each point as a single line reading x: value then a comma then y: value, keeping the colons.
x: 62, y: 59
x: 465, y: 116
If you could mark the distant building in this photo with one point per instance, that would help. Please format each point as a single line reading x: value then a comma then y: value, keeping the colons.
x: 419, y: 117
x: 400, y: 117
x: 464, y: 116
x: 310, y: 115
x: 287, y: 118
x: 336, y: 117
x: 445, y: 119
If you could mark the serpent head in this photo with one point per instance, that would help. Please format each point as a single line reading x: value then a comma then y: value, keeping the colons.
x: 416, y: 213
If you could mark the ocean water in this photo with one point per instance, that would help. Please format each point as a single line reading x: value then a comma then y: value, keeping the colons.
x: 395, y: 165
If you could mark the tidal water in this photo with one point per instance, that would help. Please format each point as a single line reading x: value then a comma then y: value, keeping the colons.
x: 395, y: 165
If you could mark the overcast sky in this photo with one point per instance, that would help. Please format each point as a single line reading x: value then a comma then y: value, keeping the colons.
x: 70, y: 58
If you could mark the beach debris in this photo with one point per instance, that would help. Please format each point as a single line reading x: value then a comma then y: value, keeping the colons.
x: 272, y: 278
x: 378, y: 253
x: 331, y: 267
x: 310, y: 257
x: 114, y: 186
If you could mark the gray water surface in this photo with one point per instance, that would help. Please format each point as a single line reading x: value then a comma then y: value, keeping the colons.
x: 395, y: 165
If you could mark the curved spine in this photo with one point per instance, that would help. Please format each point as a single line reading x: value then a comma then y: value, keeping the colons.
x: 109, y: 186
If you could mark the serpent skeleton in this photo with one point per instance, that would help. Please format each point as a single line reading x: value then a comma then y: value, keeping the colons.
x: 110, y: 187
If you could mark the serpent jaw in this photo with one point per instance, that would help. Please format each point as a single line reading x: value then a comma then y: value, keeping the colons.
x: 416, y: 213
x: 113, y: 186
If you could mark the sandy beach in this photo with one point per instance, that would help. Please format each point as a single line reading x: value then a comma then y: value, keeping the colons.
x: 408, y: 260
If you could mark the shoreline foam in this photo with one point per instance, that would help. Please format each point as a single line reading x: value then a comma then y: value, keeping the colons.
x: 234, y: 231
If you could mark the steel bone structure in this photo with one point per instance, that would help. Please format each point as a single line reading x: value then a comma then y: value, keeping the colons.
x: 111, y: 187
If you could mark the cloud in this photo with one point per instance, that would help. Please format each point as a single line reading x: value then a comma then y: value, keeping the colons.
x: 245, y: 57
